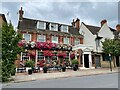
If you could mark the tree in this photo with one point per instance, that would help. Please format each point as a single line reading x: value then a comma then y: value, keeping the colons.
x: 112, y: 47
x: 10, y: 49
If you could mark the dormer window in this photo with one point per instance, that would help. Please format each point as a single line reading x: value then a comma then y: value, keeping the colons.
x: 64, y: 28
x: 41, y: 25
x: 53, y: 27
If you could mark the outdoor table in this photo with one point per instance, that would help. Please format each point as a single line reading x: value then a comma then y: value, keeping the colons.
x: 21, y: 69
x: 36, y: 69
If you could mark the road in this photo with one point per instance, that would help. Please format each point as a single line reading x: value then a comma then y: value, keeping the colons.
x: 94, y: 81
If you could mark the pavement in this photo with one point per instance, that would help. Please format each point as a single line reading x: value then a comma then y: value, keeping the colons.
x: 23, y: 77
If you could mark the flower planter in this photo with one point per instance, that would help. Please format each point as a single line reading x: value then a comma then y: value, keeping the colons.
x: 63, y: 69
x: 30, y: 71
x: 75, y: 68
x: 44, y: 69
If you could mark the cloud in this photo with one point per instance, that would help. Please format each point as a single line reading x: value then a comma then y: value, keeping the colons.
x: 63, y: 12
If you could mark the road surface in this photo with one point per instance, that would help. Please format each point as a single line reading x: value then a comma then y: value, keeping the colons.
x: 94, y: 81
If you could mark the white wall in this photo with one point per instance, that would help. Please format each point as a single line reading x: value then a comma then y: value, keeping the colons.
x: 89, y: 38
x: 105, y: 32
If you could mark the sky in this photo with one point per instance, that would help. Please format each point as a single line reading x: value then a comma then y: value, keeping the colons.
x: 89, y: 12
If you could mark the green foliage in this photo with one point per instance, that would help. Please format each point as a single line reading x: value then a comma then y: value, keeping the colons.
x: 75, y: 61
x: 30, y: 63
x: 10, y: 49
x: 111, y: 46
x: 13, y: 70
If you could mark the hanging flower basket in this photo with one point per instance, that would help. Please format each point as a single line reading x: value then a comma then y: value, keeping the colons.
x: 48, y: 53
x: 22, y: 43
x: 47, y: 45
x: 32, y: 44
x: 62, y: 55
x: 40, y: 45
x: 72, y: 56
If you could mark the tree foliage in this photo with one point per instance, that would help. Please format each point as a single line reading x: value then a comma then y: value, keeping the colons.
x: 10, y: 49
x: 111, y: 46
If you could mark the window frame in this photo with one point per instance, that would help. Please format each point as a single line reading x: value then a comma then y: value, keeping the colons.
x: 24, y: 56
x: 68, y: 40
x: 39, y: 36
x: 62, y: 28
x: 39, y: 26
x: 26, y: 34
x: 40, y: 57
x: 56, y: 27
x: 76, y: 41
x: 56, y: 41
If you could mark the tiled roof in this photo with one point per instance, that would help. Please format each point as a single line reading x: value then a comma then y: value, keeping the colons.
x: 95, y: 29
x: 30, y: 25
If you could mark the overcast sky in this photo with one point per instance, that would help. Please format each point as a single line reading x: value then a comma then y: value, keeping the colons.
x: 64, y: 12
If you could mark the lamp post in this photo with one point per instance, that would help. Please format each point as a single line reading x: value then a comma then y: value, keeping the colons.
x: 110, y: 62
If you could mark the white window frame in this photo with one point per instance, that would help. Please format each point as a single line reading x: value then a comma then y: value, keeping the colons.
x: 40, y: 36
x: 97, y: 42
x: 24, y: 56
x: 27, y: 34
x: 56, y: 40
x: 76, y: 43
x: 39, y: 25
x: 41, y: 57
x: 56, y: 27
x: 66, y: 39
x: 62, y: 28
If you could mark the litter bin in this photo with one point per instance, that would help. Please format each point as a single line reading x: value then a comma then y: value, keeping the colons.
x: 29, y: 71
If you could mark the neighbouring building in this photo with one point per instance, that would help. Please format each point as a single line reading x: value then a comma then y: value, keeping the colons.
x: 46, y: 42
x: 2, y: 20
x: 117, y: 36
x: 93, y: 55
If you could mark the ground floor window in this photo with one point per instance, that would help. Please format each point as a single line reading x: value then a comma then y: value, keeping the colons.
x: 25, y: 56
x: 40, y: 56
x: 48, y: 59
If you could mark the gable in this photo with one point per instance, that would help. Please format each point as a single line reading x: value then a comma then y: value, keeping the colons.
x: 87, y: 50
x: 105, y: 32
x: 84, y: 30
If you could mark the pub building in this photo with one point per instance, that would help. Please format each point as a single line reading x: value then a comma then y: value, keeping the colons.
x: 47, y: 42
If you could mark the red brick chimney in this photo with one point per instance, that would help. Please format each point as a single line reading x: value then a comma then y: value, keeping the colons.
x: 21, y: 12
x: 118, y: 27
x: 77, y: 23
x: 103, y: 22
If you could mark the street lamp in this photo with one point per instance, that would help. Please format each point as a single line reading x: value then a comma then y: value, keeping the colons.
x: 110, y: 62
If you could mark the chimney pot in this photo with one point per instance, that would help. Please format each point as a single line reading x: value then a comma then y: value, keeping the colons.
x: 73, y: 23
x: 118, y: 27
x: 103, y: 22
x: 21, y: 12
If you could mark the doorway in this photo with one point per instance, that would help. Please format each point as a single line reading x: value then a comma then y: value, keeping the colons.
x: 86, y: 60
x: 97, y: 61
x: 117, y: 61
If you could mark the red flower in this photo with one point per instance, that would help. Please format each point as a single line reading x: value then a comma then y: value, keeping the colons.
x: 40, y: 45
x: 21, y: 43
x: 48, y: 53
x: 62, y: 55
x: 72, y: 55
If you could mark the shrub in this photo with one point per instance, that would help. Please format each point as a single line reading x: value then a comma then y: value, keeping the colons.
x: 75, y: 61
x: 30, y: 63
x: 13, y: 70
